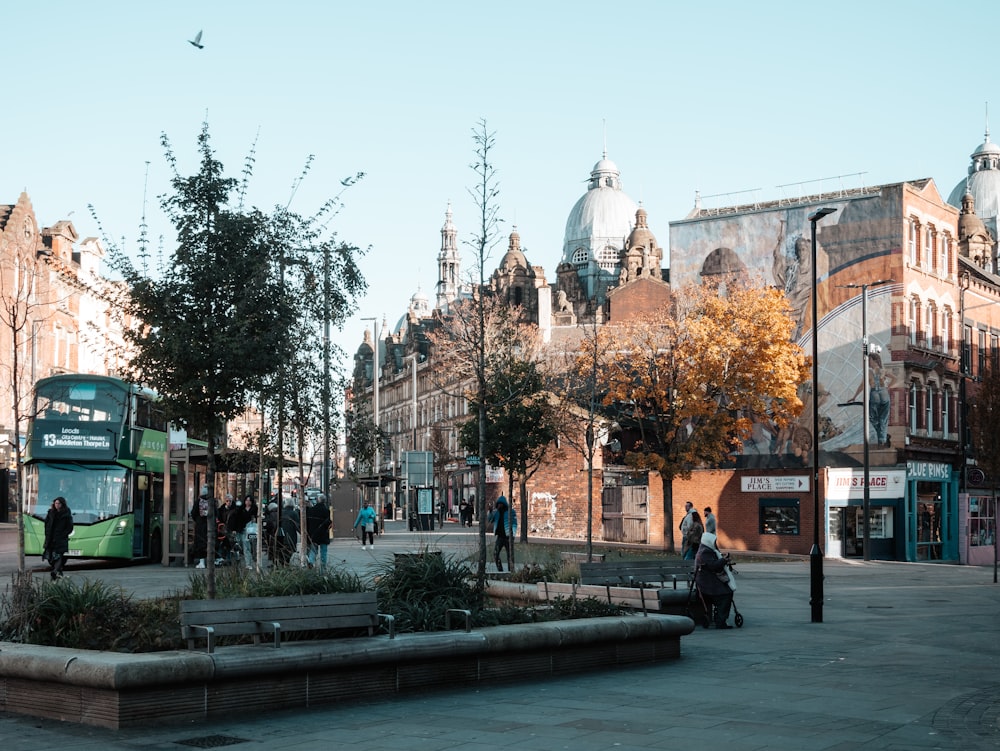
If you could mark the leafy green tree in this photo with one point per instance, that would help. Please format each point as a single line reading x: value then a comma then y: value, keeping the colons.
x: 208, y: 333
x: 692, y: 379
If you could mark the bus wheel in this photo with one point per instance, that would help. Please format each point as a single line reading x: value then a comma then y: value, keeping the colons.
x: 156, y: 548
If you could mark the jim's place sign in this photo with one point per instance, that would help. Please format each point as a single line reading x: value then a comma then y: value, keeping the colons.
x: 774, y: 483
x: 850, y: 483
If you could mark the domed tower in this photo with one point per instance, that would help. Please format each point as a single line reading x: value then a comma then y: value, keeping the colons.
x: 420, y: 305
x: 983, y: 183
x: 974, y: 240
x: 642, y: 256
x: 449, y: 263
x: 516, y: 280
x: 595, y: 236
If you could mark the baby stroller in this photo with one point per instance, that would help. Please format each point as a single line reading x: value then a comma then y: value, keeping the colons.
x: 698, y: 601
x: 228, y: 550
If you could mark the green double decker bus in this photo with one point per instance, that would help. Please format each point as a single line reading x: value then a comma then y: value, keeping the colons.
x: 101, y: 443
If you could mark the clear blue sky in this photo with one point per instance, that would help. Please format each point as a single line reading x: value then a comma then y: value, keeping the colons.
x: 720, y: 97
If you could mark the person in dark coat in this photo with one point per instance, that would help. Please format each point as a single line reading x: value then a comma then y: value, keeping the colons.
x: 318, y: 527
x: 58, y: 526
x: 504, y: 526
x: 199, y: 515
x: 712, y: 579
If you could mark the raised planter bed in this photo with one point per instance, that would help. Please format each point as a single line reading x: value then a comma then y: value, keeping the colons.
x: 117, y: 690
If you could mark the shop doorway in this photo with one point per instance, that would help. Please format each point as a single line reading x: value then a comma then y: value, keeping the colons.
x: 847, y: 532
x: 929, y: 545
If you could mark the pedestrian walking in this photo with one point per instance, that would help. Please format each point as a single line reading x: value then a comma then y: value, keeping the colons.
x: 366, y: 520
x: 58, y: 527
x: 504, y: 527
x: 318, y: 525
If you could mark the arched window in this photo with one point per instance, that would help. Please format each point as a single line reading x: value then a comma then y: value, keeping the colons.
x: 913, y: 407
x: 581, y: 256
x: 609, y: 258
x: 914, y: 320
x: 912, y: 242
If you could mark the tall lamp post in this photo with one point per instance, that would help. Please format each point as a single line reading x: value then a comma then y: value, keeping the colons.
x: 414, y: 389
x: 376, y: 467
x: 816, y: 554
x: 865, y: 403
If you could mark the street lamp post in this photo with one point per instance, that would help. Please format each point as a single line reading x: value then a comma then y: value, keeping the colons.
x: 816, y: 554
x: 376, y: 467
x: 865, y: 404
x: 414, y: 389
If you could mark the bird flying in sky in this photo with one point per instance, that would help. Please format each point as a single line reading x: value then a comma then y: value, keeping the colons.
x: 197, y: 41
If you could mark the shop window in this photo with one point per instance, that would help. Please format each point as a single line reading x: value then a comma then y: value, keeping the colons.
x: 982, y: 521
x: 929, y: 408
x: 912, y: 242
x: 946, y: 426
x: 981, y: 354
x: 779, y: 516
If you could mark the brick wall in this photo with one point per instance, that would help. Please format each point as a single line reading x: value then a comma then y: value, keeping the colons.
x: 557, y: 506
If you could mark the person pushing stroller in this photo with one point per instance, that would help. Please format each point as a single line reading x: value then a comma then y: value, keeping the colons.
x: 713, y: 579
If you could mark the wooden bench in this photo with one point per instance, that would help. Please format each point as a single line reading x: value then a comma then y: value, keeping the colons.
x: 638, y: 573
x: 664, y: 575
x: 270, y: 616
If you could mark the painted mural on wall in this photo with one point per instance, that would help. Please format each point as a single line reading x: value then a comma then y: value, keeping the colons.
x: 774, y: 247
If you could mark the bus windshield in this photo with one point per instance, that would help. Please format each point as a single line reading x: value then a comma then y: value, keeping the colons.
x: 92, y: 493
x: 80, y: 401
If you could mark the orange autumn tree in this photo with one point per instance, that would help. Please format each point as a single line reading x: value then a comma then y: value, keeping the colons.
x: 691, y: 379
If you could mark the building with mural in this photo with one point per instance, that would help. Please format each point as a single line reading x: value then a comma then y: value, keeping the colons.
x: 898, y: 266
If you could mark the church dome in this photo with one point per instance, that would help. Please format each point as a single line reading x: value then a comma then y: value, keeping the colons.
x: 514, y: 257
x: 420, y: 304
x: 641, y: 236
x: 602, y: 218
x: 983, y: 183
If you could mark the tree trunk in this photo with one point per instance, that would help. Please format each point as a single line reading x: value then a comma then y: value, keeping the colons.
x: 668, y: 512
x: 210, y: 521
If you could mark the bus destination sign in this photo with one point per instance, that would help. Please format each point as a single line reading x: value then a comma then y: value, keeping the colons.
x: 65, y: 440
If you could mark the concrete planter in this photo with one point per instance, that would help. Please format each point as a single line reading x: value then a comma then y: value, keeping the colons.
x: 117, y: 690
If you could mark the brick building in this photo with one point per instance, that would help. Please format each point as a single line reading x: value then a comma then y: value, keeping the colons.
x: 55, y: 317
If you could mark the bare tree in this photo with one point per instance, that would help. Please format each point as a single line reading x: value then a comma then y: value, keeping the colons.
x: 23, y: 305
x: 984, y: 427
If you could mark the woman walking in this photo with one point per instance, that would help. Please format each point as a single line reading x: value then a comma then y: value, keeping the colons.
x: 58, y: 527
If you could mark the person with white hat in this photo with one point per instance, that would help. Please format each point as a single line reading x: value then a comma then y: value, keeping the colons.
x: 713, y: 579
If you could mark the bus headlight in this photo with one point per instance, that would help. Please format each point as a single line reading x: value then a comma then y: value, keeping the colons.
x: 120, y: 527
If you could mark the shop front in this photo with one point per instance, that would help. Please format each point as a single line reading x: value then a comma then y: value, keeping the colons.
x: 932, y: 524
x: 978, y: 519
x: 845, y: 499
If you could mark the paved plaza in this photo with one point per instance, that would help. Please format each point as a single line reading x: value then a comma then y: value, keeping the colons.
x: 907, y: 658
